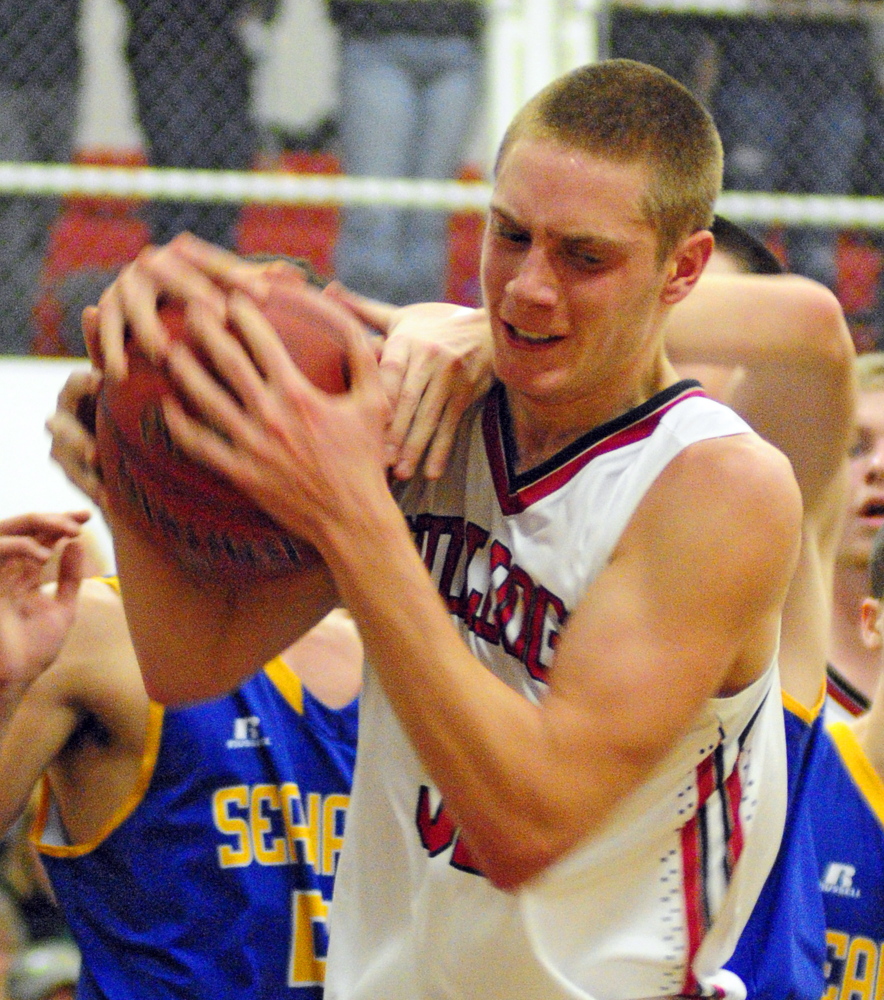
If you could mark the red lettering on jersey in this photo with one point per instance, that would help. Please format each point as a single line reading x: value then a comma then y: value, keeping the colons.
x: 513, y: 610
x: 547, y: 616
x: 463, y: 860
x: 437, y: 830
x: 462, y: 603
x: 514, y: 600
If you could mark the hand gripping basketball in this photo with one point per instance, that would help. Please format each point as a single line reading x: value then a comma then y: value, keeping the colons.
x: 193, y: 514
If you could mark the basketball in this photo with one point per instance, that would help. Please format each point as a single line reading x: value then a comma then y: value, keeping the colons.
x: 193, y: 514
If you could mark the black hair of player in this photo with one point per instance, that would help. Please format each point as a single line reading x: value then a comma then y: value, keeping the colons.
x: 752, y: 254
x: 313, y: 277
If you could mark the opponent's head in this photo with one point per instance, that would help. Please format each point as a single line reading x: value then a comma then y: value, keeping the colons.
x: 737, y: 251
x: 865, y: 502
x: 629, y: 112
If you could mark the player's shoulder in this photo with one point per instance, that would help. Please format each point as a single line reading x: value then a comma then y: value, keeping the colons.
x: 739, y: 472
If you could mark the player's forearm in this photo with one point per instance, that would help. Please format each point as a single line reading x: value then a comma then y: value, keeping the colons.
x: 195, y: 639
x: 748, y: 320
x: 504, y: 766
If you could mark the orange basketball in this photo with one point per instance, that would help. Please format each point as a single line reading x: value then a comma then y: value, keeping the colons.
x: 190, y: 512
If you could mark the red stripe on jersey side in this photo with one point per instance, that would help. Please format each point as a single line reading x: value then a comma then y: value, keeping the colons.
x: 692, y: 887
x: 514, y: 501
x: 695, y: 870
x: 733, y: 795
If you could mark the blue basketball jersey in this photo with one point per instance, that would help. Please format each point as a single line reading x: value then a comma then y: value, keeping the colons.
x: 781, y: 952
x: 214, y: 881
x: 849, y: 828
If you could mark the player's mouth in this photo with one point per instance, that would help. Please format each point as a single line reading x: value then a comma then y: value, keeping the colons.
x: 872, y: 510
x: 522, y: 336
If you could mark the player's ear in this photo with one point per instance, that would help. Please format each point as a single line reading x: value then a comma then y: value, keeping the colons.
x: 871, y: 624
x: 686, y: 264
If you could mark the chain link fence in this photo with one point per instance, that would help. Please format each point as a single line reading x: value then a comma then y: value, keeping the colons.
x: 246, y: 121
x: 796, y: 91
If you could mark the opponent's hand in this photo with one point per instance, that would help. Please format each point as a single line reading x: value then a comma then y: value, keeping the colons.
x: 35, y: 616
x: 187, y: 268
x: 435, y: 360
x: 72, y: 428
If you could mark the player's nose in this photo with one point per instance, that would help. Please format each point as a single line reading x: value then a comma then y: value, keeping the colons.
x: 535, y: 280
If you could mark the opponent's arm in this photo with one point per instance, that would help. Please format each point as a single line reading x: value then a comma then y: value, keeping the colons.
x: 56, y: 702
x: 435, y: 361
x: 788, y: 342
x: 789, y: 336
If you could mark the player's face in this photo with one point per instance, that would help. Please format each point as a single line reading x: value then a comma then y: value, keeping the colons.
x: 865, y: 505
x: 572, y: 282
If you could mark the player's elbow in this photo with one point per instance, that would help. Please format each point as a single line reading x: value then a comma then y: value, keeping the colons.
x: 828, y: 336
x: 513, y: 860
x: 174, y: 690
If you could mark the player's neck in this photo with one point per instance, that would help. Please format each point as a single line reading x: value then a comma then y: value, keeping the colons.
x: 542, y: 428
x: 847, y: 653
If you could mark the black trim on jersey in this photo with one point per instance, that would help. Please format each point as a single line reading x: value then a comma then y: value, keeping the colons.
x: 840, y: 690
x: 497, y: 397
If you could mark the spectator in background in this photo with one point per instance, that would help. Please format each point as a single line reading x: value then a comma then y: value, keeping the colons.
x: 791, y: 108
x: 192, y: 74
x: 789, y: 93
x: 410, y: 82
x: 39, y: 84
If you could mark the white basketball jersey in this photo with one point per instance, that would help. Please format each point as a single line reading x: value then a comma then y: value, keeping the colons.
x: 652, y: 905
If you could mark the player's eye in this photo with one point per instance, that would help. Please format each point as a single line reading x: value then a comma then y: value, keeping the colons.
x: 862, y: 445
x: 506, y: 231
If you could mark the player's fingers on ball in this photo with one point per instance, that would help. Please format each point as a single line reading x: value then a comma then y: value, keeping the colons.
x: 107, y: 344
x: 224, y: 269
x: 76, y: 452
x: 175, y: 272
x: 198, y: 440
x: 89, y: 325
x: 129, y: 316
x: 380, y: 315
x: 210, y: 401
x: 262, y: 342
x: 76, y: 386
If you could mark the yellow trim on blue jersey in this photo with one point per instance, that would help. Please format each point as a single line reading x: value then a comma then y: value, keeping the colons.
x: 287, y: 682
x: 802, y: 711
x: 858, y: 767
x: 126, y: 808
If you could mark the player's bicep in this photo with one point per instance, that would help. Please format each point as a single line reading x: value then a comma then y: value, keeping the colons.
x: 688, y: 607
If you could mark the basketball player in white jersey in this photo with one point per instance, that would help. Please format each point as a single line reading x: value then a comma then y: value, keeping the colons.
x: 570, y: 780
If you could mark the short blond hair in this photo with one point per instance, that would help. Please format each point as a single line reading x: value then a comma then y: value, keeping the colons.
x: 626, y: 111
